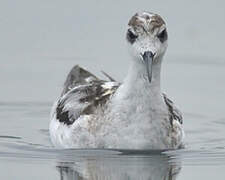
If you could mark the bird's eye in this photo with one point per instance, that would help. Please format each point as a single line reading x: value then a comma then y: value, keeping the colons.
x: 163, y: 36
x: 131, y: 37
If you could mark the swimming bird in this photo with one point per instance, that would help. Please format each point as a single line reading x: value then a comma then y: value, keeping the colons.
x: 135, y: 114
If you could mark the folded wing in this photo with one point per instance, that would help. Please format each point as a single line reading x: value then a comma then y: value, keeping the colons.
x: 174, y: 112
x: 82, y: 94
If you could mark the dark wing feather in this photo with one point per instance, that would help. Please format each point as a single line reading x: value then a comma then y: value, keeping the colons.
x: 108, y: 76
x: 174, y: 112
x: 83, y: 93
x: 78, y: 76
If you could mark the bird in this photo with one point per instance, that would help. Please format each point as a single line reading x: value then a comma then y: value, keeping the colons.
x: 134, y: 114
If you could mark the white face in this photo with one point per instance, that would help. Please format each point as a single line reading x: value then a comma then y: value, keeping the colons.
x: 147, y: 33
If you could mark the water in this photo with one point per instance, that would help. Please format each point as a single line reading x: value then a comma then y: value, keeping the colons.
x: 41, y: 41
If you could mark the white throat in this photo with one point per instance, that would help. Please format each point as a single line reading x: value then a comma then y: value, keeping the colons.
x: 137, y: 98
x: 136, y: 81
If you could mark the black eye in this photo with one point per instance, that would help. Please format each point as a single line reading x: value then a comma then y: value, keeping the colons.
x: 131, y: 37
x: 163, y: 36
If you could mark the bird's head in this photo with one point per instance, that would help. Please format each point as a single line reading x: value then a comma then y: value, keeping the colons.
x: 147, y: 39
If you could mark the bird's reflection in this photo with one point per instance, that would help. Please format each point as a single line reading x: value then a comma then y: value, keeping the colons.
x: 119, y: 167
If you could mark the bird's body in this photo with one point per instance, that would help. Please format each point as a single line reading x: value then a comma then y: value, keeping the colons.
x: 135, y: 114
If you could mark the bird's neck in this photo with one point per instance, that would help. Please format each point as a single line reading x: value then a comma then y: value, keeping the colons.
x: 137, y: 81
x: 137, y: 94
x: 136, y: 88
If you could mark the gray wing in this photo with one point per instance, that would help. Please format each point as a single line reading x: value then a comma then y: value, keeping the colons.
x: 174, y: 112
x: 83, y: 93
x: 77, y: 76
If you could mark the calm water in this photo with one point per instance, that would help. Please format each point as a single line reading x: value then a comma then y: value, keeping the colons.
x: 42, y: 40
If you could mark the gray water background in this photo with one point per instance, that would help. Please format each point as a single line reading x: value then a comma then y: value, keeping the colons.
x: 41, y: 40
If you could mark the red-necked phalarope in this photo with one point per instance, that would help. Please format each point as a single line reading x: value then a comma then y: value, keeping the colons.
x: 94, y: 113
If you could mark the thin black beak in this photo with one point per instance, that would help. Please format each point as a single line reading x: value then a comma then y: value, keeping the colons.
x: 148, y: 59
